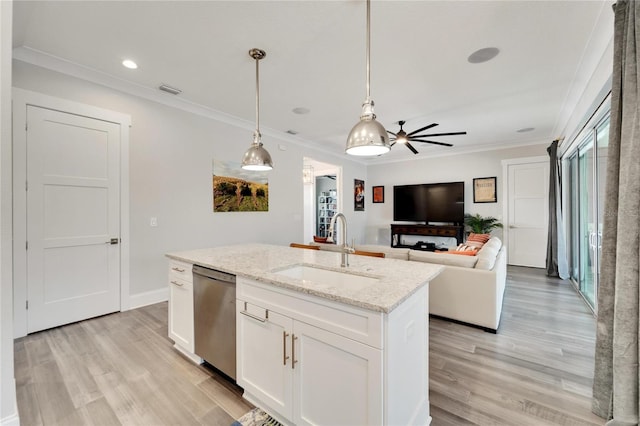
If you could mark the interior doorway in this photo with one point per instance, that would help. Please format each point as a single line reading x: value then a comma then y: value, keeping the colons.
x: 322, y: 196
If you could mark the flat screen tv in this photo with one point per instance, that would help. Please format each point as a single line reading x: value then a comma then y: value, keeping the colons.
x: 429, y: 202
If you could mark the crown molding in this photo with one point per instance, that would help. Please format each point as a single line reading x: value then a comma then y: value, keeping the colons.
x: 64, y: 66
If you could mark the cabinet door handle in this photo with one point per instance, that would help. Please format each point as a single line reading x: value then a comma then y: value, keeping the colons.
x: 293, y: 351
x: 284, y: 347
x: 177, y: 283
x: 255, y: 317
x: 175, y: 268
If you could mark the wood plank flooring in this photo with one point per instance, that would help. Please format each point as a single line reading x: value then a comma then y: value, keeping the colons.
x: 122, y: 369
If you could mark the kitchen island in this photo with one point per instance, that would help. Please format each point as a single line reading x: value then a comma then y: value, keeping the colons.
x: 321, y: 344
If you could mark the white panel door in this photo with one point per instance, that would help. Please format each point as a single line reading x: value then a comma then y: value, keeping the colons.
x: 528, y: 213
x: 73, y: 270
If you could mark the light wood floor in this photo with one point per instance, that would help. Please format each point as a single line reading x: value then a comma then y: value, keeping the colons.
x: 121, y: 368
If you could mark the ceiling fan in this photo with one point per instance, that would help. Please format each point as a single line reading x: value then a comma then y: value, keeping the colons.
x: 404, y: 137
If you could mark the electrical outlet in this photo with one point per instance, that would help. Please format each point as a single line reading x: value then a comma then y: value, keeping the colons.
x: 153, y: 222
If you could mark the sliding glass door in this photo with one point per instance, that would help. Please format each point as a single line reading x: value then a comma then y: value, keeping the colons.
x: 587, y: 224
x: 587, y: 177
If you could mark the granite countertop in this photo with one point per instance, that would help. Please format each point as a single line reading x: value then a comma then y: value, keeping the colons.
x: 397, y: 279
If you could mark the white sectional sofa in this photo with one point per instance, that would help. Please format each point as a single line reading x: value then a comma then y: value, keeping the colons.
x: 470, y: 289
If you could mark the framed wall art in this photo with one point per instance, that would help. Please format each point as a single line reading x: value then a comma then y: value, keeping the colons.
x: 378, y: 194
x: 484, y: 190
x: 236, y: 190
x: 358, y: 195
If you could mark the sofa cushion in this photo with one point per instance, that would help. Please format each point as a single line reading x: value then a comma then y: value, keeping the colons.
x: 488, y: 253
x: 460, y: 252
x: 465, y: 248
x: 389, y: 252
x: 477, y: 240
x: 443, y: 258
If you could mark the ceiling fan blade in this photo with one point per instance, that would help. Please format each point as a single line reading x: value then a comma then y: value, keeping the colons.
x: 392, y: 144
x: 424, y: 128
x: 391, y: 133
x: 440, y: 134
x: 437, y: 143
x: 415, y: 151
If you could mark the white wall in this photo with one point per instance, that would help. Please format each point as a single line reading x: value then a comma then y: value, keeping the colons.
x: 171, y: 153
x: 8, y: 408
x: 453, y: 168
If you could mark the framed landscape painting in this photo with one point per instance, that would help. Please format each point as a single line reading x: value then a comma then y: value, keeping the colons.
x: 238, y: 190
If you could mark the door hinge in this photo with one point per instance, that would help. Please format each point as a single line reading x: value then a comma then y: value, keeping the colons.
x: 26, y: 127
x: 26, y: 245
x: 26, y: 185
x: 26, y: 305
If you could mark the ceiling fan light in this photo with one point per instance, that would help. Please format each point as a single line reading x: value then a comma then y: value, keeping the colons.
x: 401, y: 137
x: 256, y: 158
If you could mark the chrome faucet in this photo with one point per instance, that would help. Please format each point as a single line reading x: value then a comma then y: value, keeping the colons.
x: 345, y: 248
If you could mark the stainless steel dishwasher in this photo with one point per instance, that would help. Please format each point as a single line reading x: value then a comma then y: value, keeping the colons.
x: 214, y: 307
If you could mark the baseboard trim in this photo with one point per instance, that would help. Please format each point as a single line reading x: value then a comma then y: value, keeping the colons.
x: 148, y: 298
x: 12, y: 419
x: 487, y: 329
x: 191, y: 357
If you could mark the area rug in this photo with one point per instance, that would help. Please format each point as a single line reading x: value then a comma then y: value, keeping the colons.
x: 256, y: 417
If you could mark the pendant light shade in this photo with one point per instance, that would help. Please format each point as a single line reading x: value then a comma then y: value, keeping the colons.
x: 368, y: 137
x: 257, y: 158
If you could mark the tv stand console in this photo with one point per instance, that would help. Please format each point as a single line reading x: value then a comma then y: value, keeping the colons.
x: 397, y: 231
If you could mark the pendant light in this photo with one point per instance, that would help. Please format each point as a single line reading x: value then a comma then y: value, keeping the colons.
x: 257, y: 158
x: 368, y: 137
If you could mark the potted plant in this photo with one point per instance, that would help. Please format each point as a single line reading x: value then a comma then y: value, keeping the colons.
x: 481, y: 225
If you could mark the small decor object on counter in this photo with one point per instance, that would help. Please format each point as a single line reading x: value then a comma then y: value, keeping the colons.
x: 358, y: 195
x: 378, y: 194
x: 484, y: 190
x: 317, y: 239
x: 236, y: 190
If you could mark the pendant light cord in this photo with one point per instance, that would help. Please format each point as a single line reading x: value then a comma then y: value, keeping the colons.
x: 368, y: 51
x: 257, y: 97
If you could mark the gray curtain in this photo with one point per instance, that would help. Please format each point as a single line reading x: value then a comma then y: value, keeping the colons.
x: 616, y: 384
x: 556, y: 249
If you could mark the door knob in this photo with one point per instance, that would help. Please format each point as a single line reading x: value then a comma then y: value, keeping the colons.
x: 114, y: 241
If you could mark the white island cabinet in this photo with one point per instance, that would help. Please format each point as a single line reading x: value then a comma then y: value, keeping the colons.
x: 181, y: 308
x: 320, y: 344
x: 311, y: 361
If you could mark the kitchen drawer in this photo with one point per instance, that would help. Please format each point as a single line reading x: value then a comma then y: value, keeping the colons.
x: 349, y: 321
x: 180, y: 271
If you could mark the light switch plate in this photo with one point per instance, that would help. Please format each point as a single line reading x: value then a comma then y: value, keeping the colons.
x: 153, y: 222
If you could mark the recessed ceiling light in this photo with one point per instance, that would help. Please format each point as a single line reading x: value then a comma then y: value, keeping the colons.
x: 526, y: 129
x: 483, y: 55
x: 130, y: 64
x: 301, y: 110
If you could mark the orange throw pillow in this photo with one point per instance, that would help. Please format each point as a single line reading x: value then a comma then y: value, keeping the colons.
x: 465, y: 253
x: 477, y: 240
